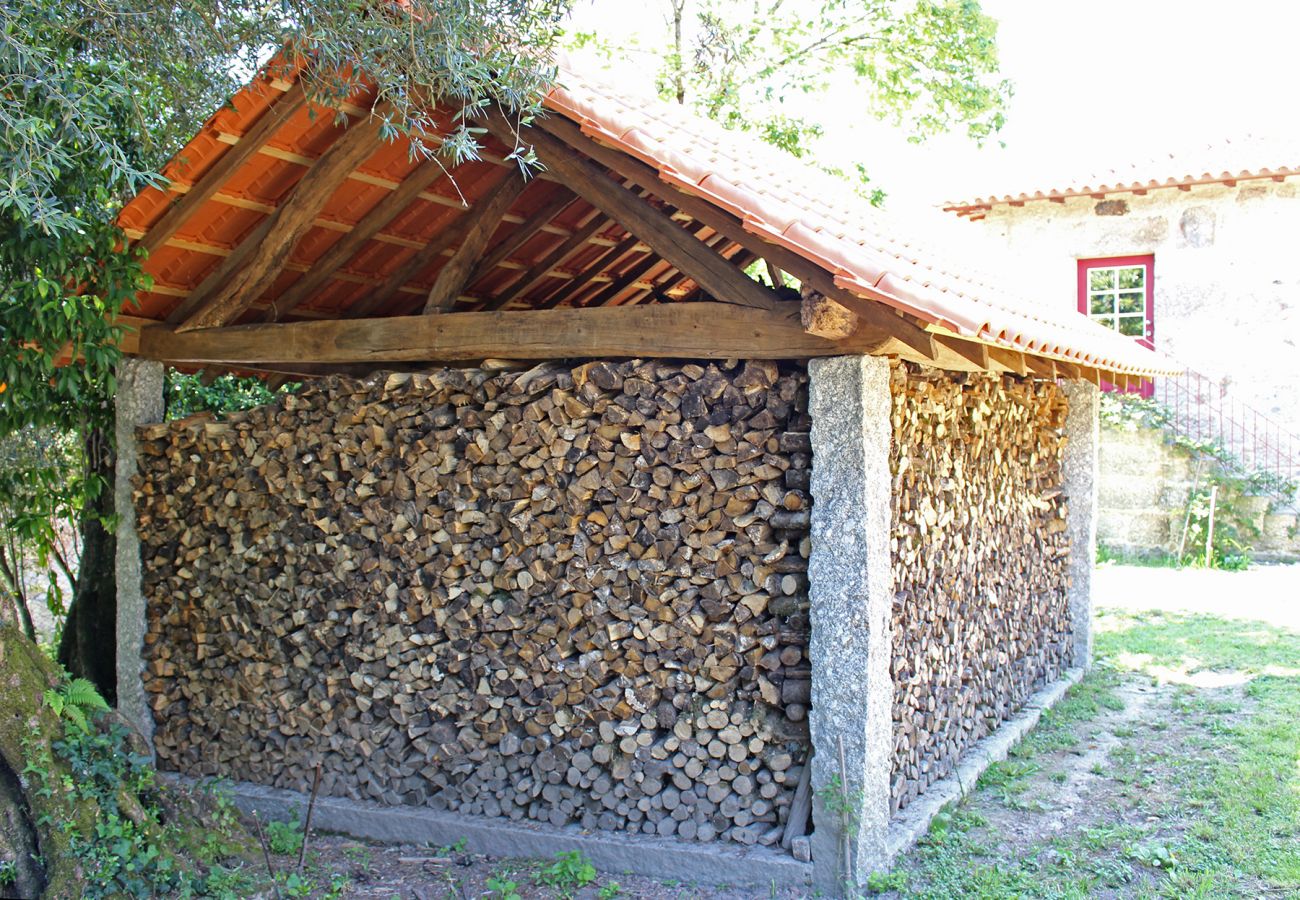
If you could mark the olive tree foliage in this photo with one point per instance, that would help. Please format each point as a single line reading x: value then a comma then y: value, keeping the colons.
x: 766, y: 66
x: 96, y: 94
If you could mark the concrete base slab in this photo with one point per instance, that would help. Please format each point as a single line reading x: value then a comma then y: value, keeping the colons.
x: 913, y: 822
x: 610, y: 852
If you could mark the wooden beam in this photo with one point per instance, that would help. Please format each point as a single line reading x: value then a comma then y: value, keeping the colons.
x: 383, y: 212
x: 478, y: 229
x: 215, y: 178
x: 685, y: 330
x: 224, y: 301
x: 668, y: 239
x: 633, y: 272
x: 1067, y: 370
x: 597, y: 267
x: 530, y: 227
x: 421, y: 259
x: 1041, y: 366
x: 872, y: 312
x: 971, y: 351
x: 539, y: 270
x: 1013, y: 360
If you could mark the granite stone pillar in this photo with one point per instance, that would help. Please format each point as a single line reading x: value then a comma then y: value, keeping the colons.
x: 139, y: 401
x: 1079, y: 476
x: 851, y: 596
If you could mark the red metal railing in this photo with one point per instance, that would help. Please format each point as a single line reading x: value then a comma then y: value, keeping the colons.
x: 1204, y: 410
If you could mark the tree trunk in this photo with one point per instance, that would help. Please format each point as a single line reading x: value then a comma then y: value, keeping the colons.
x: 89, y: 645
x: 30, y: 835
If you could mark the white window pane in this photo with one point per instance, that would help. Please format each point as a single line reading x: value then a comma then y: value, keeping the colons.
x: 1101, y: 279
x: 1132, y: 277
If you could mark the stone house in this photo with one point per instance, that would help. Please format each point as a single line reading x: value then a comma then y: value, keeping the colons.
x: 1190, y: 254
x: 578, y: 534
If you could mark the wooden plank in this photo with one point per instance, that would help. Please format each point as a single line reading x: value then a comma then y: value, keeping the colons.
x: 215, y: 178
x: 449, y: 237
x: 383, y: 212
x: 676, y: 330
x: 478, y: 229
x: 540, y: 270
x: 224, y: 301
x: 668, y: 239
x: 872, y: 312
x: 971, y: 351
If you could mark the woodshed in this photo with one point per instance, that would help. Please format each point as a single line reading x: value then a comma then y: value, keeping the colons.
x: 630, y: 506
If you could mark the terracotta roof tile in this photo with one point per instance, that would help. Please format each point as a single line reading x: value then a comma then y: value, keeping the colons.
x: 1225, y: 162
x: 809, y: 213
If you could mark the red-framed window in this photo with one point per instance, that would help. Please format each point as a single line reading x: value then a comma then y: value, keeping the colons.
x: 1119, y: 292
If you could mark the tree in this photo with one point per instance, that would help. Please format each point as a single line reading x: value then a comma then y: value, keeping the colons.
x: 95, y: 94
x: 760, y: 66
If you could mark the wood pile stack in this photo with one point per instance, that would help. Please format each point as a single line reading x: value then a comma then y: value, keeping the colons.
x: 565, y: 595
x: 981, y: 614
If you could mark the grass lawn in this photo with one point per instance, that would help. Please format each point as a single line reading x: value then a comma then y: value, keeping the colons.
x: 1171, y: 770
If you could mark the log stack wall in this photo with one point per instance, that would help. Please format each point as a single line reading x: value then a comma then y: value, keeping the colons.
x: 981, y: 614
x: 570, y: 595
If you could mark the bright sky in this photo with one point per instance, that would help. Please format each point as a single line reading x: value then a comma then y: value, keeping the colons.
x: 1098, y: 84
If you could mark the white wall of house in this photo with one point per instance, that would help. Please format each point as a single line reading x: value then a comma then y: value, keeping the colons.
x: 1227, y: 274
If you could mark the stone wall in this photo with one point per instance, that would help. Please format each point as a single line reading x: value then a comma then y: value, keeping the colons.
x: 1143, y: 491
x: 980, y: 552
x: 1227, y: 277
x: 576, y: 596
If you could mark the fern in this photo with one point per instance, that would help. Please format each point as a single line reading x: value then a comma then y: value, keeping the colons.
x: 82, y: 693
x: 75, y: 701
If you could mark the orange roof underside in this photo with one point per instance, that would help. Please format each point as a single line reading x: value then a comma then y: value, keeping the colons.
x: 771, y: 196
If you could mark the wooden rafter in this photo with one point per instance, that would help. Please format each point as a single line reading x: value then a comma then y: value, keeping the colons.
x: 871, y: 312
x: 598, y: 266
x: 541, y: 269
x: 631, y: 275
x: 383, y: 213
x: 971, y: 351
x: 444, y: 240
x: 692, y: 330
x: 478, y: 229
x: 668, y: 239
x: 1040, y: 366
x: 529, y: 228
x: 1012, y: 360
x: 223, y: 298
x: 212, y: 181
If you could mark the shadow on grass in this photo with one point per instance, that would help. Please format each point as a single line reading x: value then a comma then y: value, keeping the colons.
x: 1200, y: 796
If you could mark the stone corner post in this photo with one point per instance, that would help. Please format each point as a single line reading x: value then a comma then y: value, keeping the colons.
x: 851, y: 599
x: 138, y: 401
x: 1079, y: 471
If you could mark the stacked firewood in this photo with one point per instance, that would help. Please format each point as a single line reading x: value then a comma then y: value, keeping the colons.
x: 981, y: 614
x: 564, y: 595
